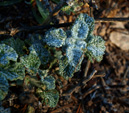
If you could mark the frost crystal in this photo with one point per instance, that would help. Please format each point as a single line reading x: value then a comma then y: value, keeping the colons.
x: 81, y: 44
x: 41, y: 52
x: 70, y: 41
x: 88, y: 20
x: 50, y: 97
x: 80, y: 30
x: 31, y: 61
x: 5, y: 110
x: 65, y: 69
x: 3, y: 86
x: 96, y: 47
x: 16, y: 44
x: 7, y: 53
x: 55, y: 37
x: 14, y: 72
x: 49, y: 82
x: 75, y: 43
x: 74, y: 55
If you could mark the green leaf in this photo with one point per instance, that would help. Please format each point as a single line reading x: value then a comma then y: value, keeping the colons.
x: 68, y: 9
x: 44, y: 12
x: 41, y: 52
x: 49, y: 82
x: 7, y: 54
x: 18, y: 45
x: 3, y: 86
x: 65, y: 69
x: 14, y: 72
x: 55, y: 37
x: 50, y: 97
x: 43, y: 73
x: 38, y: 18
x: 73, y: 6
x: 80, y: 30
x: 56, y: 1
x: 9, y: 2
x: 31, y: 61
x: 95, y: 48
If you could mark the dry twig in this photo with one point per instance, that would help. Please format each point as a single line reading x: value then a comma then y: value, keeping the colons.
x: 46, y: 26
x: 87, y: 68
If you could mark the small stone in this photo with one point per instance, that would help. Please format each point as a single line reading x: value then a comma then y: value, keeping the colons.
x: 120, y: 39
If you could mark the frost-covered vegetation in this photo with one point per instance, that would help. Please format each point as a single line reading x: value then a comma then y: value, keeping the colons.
x: 17, y: 59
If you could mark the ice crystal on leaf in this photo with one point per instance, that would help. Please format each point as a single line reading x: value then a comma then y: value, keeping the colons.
x: 65, y: 69
x: 76, y: 43
x: 88, y: 20
x: 50, y: 97
x: 81, y: 44
x: 55, y: 37
x: 17, y: 44
x: 56, y: 48
x: 5, y: 110
x: 31, y: 61
x: 41, y: 52
x: 7, y: 54
x: 95, y: 48
x: 3, y: 86
x: 49, y: 82
x: 80, y: 30
x: 74, y: 55
x: 14, y: 72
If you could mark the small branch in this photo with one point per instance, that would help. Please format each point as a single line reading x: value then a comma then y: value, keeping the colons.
x: 79, y: 85
x: 111, y: 19
x: 62, y: 108
x: 126, y: 73
x: 90, y: 91
x: 9, y: 19
x: 89, y: 77
x: 14, y: 31
x: 87, y: 68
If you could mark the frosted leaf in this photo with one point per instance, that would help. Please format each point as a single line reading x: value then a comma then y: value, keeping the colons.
x: 65, y: 69
x: 95, y: 48
x: 43, y: 73
x: 34, y: 39
x: 41, y: 52
x: 4, y: 110
x: 7, y: 54
x: 81, y: 44
x: 76, y: 43
x: 17, y: 44
x: 88, y: 20
x: 70, y: 41
x: 74, y: 55
x: 55, y: 37
x: 17, y: 71
x: 3, y: 86
x: 50, y: 97
x: 80, y: 30
x: 31, y: 61
x: 49, y: 82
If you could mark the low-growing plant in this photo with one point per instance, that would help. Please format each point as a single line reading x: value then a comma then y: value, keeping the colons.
x: 43, y: 10
x: 32, y: 60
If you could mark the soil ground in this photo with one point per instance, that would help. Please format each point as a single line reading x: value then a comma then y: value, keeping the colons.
x: 106, y: 88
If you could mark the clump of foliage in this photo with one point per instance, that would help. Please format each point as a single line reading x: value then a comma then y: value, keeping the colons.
x: 65, y: 49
